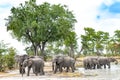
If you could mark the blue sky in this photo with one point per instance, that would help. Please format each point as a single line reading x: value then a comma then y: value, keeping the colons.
x: 99, y: 14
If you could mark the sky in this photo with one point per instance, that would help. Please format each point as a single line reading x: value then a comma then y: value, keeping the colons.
x: 99, y: 14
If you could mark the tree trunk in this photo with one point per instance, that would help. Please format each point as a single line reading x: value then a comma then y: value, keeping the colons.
x: 35, y: 50
x: 42, y: 47
x: 72, y: 51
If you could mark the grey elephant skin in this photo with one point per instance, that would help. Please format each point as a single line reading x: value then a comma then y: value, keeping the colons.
x: 103, y: 61
x: 60, y: 62
x: 90, y: 62
x: 20, y: 59
x: 36, y: 63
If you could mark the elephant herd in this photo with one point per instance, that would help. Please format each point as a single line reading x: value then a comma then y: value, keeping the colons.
x: 92, y: 62
x: 37, y: 64
x: 59, y: 63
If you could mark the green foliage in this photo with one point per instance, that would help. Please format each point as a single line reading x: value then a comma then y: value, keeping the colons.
x: 39, y: 24
x: 117, y: 36
x: 10, y: 58
x: 93, y: 41
x: 6, y: 57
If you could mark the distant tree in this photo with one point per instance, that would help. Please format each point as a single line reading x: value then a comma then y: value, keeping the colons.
x: 116, y: 43
x: 3, y: 50
x: 87, y: 41
x: 116, y: 36
x: 110, y: 46
x: 94, y: 41
x: 39, y: 24
x: 101, y: 39
x: 10, y: 58
x: 6, y: 56
x: 71, y: 43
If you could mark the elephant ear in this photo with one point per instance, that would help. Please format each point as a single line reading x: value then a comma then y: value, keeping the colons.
x: 30, y: 62
x: 16, y: 57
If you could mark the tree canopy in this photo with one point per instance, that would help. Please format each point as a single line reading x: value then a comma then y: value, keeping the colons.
x: 94, y: 41
x: 38, y: 24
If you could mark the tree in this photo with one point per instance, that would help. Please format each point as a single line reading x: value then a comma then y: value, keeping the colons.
x: 6, y: 56
x: 39, y: 24
x: 94, y: 41
x: 3, y: 50
x: 10, y: 57
x: 101, y: 39
x: 116, y: 42
x: 87, y: 41
x: 71, y: 43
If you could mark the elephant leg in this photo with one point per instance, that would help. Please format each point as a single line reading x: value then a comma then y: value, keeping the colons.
x: 28, y: 71
x: 88, y: 66
x: 67, y: 69
x: 56, y: 67
x: 108, y: 65
x: 94, y: 66
x: 99, y: 67
x: 36, y: 73
x: 41, y: 71
x: 104, y: 66
x: 20, y: 70
x: 73, y: 68
x: 60, y: 67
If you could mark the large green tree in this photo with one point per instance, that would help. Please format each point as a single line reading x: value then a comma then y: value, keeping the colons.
x: 39, y: 24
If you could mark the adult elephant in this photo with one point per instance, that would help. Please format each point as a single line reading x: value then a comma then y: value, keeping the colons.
x: 103, y: 61
x: 20, y: 59
x: 63, y: 61
x: 36, y: 63
x: 90, y: 62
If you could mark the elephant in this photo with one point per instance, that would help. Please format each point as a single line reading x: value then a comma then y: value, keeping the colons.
x: 60, y: 62
x: 20, y: 59
x: 103, y: 61
x: 36, y: 63
x: 90, y: 62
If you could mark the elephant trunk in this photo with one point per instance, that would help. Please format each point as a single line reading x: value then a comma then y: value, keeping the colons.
x: 22, y: 70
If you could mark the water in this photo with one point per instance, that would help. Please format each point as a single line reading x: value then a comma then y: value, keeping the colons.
x: 98, y: 74
x: 105, y: 74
